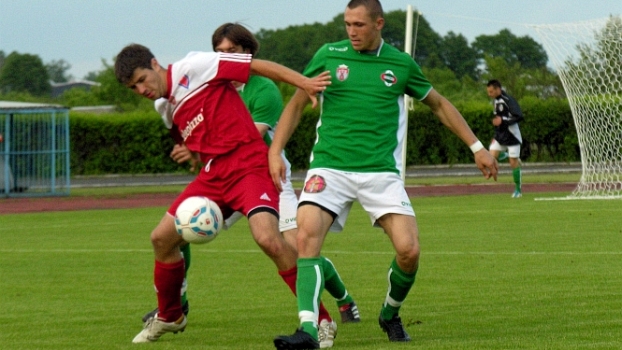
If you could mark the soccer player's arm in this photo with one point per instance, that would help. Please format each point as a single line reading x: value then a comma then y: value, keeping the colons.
x: 515, y: 114
x: 181, y: 153
x: 287, y: 125
x: 453, y: 120
x: 277, y: 72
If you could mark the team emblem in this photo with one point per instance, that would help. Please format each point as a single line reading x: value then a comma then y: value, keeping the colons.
x: 184, y: 81
x: 342, y: 72
x: 388, y: 78
x: 315, y: 184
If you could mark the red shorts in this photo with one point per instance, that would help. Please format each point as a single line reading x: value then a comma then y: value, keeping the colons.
x: 236, y: 181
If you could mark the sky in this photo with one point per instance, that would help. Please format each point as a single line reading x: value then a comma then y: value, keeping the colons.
x: 85, y: 32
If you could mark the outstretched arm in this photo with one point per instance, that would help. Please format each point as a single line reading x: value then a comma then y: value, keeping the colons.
x: 275, y: 71
x: 453, y: 120
x: 287, y: 124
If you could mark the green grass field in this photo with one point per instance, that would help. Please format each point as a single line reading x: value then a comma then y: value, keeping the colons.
x: 495, y: 273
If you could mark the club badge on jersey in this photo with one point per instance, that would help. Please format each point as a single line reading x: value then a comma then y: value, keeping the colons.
x: 342, y: 72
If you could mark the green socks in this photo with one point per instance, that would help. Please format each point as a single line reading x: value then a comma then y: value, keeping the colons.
x: 310, y: 284
x: 185, y: 252
x: 400, y: 283
x: 516, y: 174
x: 334, y: 284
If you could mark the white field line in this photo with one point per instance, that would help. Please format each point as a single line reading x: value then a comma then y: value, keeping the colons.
x: 330, y: 252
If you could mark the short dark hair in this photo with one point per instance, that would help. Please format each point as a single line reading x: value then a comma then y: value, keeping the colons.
x: 238, y: 35
x: 373, y: 7
x: 131, y: 57
x: 494, y: 82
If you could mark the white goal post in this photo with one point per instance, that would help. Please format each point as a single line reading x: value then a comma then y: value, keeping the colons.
x: 409, y: 49
x: 588, y: 58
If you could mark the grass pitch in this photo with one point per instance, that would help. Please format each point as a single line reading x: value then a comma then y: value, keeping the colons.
x: 495, y: 273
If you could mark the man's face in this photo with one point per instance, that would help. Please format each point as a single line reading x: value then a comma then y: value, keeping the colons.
x: 229, y: 47
x: 147, y: 82
x: 363, y: 32
x: 493, y: 91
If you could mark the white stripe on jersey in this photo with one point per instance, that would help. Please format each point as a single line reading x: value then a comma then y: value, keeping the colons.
x: 236, y: 57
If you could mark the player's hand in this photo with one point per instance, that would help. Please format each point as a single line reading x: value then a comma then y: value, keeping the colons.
x: 487, y: 164
x: 181, y: 154
x: 315, y: 85
x: 496, y: 121
x: 277, y: 170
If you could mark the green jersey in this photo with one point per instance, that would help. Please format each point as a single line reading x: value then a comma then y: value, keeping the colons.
x: 363, y: 115
x: 263, y: 99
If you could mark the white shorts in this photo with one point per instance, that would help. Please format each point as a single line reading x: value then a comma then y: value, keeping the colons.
x: 334, y: 190
x: 513, y: 151
x: 288, y: 204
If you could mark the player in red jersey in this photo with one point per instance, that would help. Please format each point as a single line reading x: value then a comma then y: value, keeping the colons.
x: 208, y: 116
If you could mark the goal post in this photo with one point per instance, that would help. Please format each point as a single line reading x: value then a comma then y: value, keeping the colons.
x: 588, y: 59
x: 409, y: 49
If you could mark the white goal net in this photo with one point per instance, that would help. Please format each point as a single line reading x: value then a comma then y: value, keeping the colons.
x: 588, y: 58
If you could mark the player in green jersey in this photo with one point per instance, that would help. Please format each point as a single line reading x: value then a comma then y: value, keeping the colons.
x: 357, y: 156
x: 264, y: 101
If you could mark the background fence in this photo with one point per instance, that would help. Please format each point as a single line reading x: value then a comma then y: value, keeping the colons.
x: 34, y: 150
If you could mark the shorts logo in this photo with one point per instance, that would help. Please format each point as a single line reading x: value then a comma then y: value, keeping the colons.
x: 388, y: 78
x: 265, y: 197
x: 315, y: 184
x: 342, y: 72
x: 184, y: 81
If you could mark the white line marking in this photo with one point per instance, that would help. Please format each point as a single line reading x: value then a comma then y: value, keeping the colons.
x: 247, y: 251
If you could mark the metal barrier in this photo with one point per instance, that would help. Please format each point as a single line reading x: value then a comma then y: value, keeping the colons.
x: 34, y: 150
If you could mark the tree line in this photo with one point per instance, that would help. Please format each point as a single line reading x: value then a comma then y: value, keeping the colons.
x: 457, y: 69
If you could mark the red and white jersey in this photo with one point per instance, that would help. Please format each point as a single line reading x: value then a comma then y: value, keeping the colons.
x: 206, y: 108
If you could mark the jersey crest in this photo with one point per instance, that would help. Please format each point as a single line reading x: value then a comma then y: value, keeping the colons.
x: 342, y: 72
x: 388, y: 77
x: 184, y: 81
x: 315, y: 184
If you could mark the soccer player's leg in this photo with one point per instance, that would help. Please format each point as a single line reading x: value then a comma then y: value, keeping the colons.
x: 496, y: 150
x: 337, y: 288
x: 515, y: 164
x: 168, y: 281
x: 402, y: 230
x: 389, y: 207
x: 313, y: 224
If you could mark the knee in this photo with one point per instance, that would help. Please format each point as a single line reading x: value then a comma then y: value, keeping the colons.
x: 408, y: 256
x: 163, y: 241
x: 271, y: 244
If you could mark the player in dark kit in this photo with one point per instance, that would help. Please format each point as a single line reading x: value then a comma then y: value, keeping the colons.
x: 212, y: 121
x: 507, y: 134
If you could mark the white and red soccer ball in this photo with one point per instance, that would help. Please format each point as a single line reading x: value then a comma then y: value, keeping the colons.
x: 198, y: 220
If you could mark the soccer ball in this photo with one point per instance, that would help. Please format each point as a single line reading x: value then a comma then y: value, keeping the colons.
x: 198, y: 220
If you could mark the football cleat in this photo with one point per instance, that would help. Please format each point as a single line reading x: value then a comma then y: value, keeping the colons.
x: 517, y: 194
x: 300, y: 340
x: 394, y: 329
x: 326, y: 333
x: 185, y: 308
x: 155, y: 327
x: 349, y: 313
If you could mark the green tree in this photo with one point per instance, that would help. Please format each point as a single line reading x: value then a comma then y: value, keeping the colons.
x: 294, y: 46
x: 2, y: 58
x: 24, y: 73
x: 426, y: 43
x: 523, y: 50
x: 57, y: 71
x: 458, y: 55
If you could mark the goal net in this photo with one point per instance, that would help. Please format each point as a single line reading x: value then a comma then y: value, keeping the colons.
x: 588, y: 59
